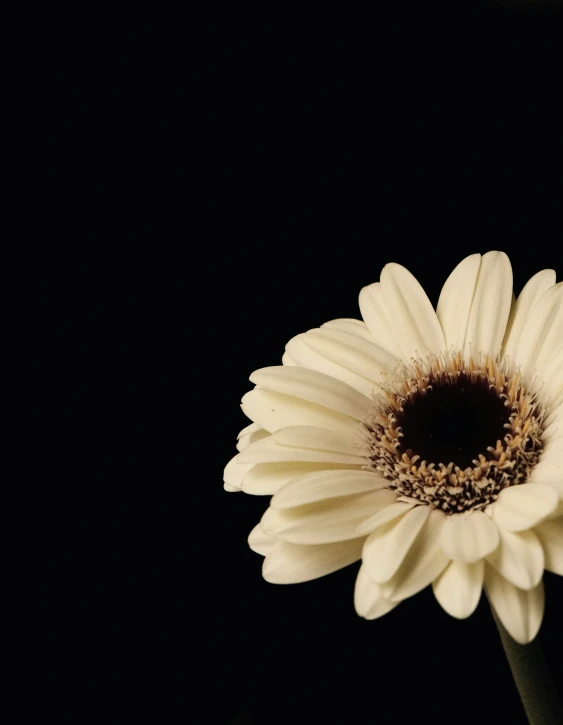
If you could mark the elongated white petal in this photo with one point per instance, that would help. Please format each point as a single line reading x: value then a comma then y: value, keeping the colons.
x: 542, y: 333
x: 522, y: 507
x: 533, y: 290
x: 389, y: 513
x: 274, y: 410
x: 347, y: 324
x: 268, y: 451
x: 519, y: 558
x: 458, y: 588
x: 550, y: 534
x: 548, y: 472
x: 469, y: 537
x: 327, y: 485
x: 368, y: 599
x: 322, y: 439
x: 265, y: 479
x: 314, y: 387
x: 304, y: 354
x: 374, y: 312
x: 252, y: 437
x: 553, y: 380
x: 260, y: 542
x: 388, y: 545
x: 234, y: 473
x: 252, y: 428
x: 423, y: 563
x: 455, y: 301
x: 410, y: 312
x: 324, y: 521
x: 292, y: 563
x: 521, y: 612
x: 491, y: 305
x: 289, y: 361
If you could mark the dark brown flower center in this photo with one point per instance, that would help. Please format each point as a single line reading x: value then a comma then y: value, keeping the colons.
x: 453, y: 420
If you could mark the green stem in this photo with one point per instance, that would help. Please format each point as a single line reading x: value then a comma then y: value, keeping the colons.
x: 531, y: 675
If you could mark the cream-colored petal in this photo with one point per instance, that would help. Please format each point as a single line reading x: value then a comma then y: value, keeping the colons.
x: 519, y: 558
x: 533, y: 290
x: 368, y: 599
x: 522, y: 507
x: 411, y: 314
x: 321, y: 439
x: 292, y: 563
x: 521, y: 612
x: 550, y: 534
x: 252, y: 428
x: 458, y: 588
x: 469, y: 537
x: 274, y: 410
x: 388, y: 545
x: 327, y: 485
x: 252, y: 437
x: 260, y: 542
x: 356, y: 354
x: 547, y: 471
x: 490, y: 307
x: 289, y: 361
x: 313, y: 387
x: 374, y: 312
x: 455, y: 301
x: 265, y: 479
x: 553, y: 380
x: 324, y: 521
x: 347, y: 324
x: 389, y: 513
x: 305, y: 356
x: 234, y: 473
x: 269, y: 451
x: 423, y: 563
x: 542, y: 333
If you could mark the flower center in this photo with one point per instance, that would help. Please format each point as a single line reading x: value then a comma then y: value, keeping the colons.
x: 453, y: 420
x: 452, y: 434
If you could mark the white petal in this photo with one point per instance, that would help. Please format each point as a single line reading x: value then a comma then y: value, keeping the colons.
x: 389, y: 513
x: 314, y: 387
x: 550, y: 533
x: 553, y: 380
x: 268, y: 451
x: 469, y: 537
x: 533, y: 290
x: 254, y: 435
x: 519, y: 558
x: 292, y: 564
x: 455, y: 301
x: 411, y: 314
x: 422, y: 564
x: 252, y: 428
x: 458, y: 588
x: 354, y: 327
x: 368, y: 599
x: 305, y: 356
x: 522, y: 507
x: 326, y: 484
x: 265, y: 479
x: 287, y: 360
x: 374, y: 312
x: 324, y: 522
x: 234, y: 473
x: 321, y: 439
x: 260, y: 542
x: 542, y: 333
x: 275, y: 410
x: 361, y: 356
x: 491, y: 305
x: 521, y: 612
x: 546, y: 471
x: 388, y: 545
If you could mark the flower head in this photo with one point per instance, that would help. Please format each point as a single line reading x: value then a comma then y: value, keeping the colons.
x: 428, y: 444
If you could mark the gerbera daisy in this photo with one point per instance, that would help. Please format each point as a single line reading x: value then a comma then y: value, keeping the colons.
x: 427, y: 443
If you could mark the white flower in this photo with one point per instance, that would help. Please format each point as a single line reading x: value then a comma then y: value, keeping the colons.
x: 428, y: 444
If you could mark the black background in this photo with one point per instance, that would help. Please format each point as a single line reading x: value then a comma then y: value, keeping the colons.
x: 317, y: 171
